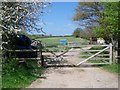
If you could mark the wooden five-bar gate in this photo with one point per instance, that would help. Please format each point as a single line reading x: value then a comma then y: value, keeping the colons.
x: 44, y: 58
x: 101, y: 56
x: 105, y: 54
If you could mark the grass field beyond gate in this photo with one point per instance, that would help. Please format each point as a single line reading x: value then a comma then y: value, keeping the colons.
x: 54, y: 41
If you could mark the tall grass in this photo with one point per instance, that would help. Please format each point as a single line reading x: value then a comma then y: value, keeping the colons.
x: 19, y: 75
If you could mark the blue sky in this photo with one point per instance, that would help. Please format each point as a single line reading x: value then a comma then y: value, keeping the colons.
x: 59, y: 18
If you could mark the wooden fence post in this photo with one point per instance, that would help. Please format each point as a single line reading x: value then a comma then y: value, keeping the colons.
x: 41, y: 56
x: 111, y: 53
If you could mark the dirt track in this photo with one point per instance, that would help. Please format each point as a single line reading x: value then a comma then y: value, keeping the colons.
x: 76, y: 77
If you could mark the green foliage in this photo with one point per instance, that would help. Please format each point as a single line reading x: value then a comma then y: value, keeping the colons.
x: 97, y: 48
x: 107, y: 18
x: 19, y: 75
x: 85, y: 10
x: 95, y: 61
x: 34, y: 36
x: 85, y: 34
x: 9, y: 65
x: 108, y: 28
x: 87, y: 13
x: 20, y: 16
x: 77, y: 32
x: 0, y: 73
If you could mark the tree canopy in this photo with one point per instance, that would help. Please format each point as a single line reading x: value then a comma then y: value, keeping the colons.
x: 20, y: 16
x: 86, y: 34
x: 86, y: 13
x: 77, y: 32
x: 102, y: 18
x: 108, y: 23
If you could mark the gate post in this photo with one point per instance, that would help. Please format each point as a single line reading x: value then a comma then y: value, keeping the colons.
x: 111, y: 53
x: 41, y: 56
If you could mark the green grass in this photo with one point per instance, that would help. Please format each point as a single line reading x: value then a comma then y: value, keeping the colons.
x: 54, y: 41
x: 20, y: 75
x: 97, y: 48
x: 95, y: 61
x: 84, y: 56
x: 0, y: 73
x: 113, y: 68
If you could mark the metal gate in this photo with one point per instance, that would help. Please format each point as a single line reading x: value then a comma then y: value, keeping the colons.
x: 54, y: 56
x: 104, y: 54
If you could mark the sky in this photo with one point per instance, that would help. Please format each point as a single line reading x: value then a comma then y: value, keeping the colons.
x: 58, y: 20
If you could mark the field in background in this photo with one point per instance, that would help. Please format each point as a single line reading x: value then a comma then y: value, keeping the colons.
x: 54, y: 41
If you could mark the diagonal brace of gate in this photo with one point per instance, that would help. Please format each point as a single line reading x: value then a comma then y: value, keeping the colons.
x: 93, y: 55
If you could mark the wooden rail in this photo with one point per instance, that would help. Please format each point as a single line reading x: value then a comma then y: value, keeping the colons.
x: 78, y: 45
x: 23, y: 50
x: 98, y: 54
x: 95, y: 50
x: 40, y: 57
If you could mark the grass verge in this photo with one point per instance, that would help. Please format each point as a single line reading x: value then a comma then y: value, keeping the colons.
x: 19, y: 75
x: 113, y: 68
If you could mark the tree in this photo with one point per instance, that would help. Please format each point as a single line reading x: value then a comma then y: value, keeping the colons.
x: 85, y: 34
x: 107, y: 18
x: 105, y: 15
x: 108, y: 23
x: 20, y: 15
x: 86, y: 13
x: 76, y: 33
